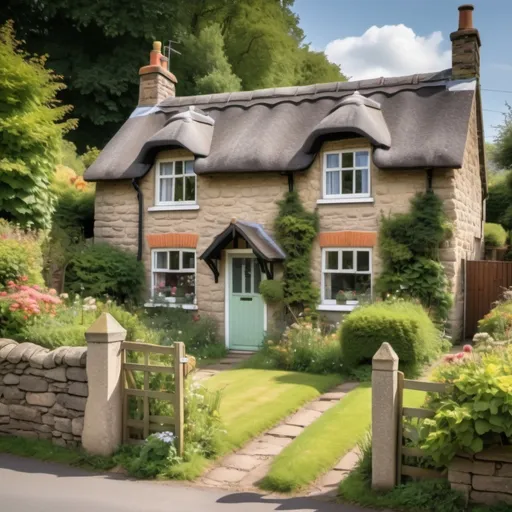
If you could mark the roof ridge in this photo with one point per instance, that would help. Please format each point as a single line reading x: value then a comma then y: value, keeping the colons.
x: 316, y: 89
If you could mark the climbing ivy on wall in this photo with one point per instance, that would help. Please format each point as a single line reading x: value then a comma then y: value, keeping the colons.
x: 296, y: 230
x: 409, y: 248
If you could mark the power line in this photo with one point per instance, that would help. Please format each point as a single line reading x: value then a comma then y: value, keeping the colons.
x: 496, y: 111
x: 497, y: 90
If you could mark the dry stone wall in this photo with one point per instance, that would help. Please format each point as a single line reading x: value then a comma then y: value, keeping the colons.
x: 484, y: 478
x: 43, y: 393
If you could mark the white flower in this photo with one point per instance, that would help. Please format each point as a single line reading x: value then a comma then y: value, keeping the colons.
x: 179, y: 332
x: 64, y: 296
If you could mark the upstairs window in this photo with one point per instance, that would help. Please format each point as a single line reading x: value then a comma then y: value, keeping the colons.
x: 346, y: 174
x: 176, y: 183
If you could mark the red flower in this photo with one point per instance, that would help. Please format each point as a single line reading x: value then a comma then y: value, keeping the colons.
x: 449, y: 358
x: 23, y: 278
x: 467, y: 348
x: 3, y: 294
x: 460, y: 355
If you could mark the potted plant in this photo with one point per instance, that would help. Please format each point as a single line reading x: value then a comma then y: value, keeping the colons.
x: 347, y: 297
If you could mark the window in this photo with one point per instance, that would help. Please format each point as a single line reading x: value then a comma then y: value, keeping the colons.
x: 346, y: 276
x: 176, y: 182
x: 347, y: 174
x: 246, y: 276
x: 174, y: 275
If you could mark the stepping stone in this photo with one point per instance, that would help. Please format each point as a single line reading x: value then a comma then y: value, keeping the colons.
x: 348, y: 461
x: 279, y: 441
x: 226, y: 475
x: 260, y: 448
x: 346, y: 386
x: 303, y: 418
x: 286, y: 431
x: 242, y: 462
x: 320, y: 406
x: 253, y: 477
x: 333, y: 396
x: 332, y: 479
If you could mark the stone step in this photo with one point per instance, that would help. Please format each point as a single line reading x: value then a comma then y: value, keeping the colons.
x: 320, y: 406
x: 303, y: 418
x: 241, y: 462
x: 286, y: 431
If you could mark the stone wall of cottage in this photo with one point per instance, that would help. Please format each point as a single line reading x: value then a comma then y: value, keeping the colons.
x: 42, y: 393
x: 253, y: 197
x: 484, y: 478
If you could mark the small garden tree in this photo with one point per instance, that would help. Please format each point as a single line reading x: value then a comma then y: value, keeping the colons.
x: 32, y: 126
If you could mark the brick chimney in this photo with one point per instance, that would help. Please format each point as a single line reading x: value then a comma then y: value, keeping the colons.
x: 156, y: 81
x: 465, y: 46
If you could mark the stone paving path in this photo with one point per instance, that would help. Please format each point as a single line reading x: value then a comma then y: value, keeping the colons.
x: 244, y: 468
x: 232, y: 361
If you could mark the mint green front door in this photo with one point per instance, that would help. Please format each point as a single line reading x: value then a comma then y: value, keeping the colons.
x: 246, y: 307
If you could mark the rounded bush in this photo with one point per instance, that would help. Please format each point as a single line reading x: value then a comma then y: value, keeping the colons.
x: 101, y: 269
x: 494, y: 235
x: 406, y: 326
x: 272, y: 291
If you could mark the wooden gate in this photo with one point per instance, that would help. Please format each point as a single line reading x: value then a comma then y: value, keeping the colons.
x: 139, y: 428
x: 403, y: 469
x: 484, y: 284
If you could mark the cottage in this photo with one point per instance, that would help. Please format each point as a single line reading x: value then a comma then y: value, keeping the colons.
x: 191, y: 183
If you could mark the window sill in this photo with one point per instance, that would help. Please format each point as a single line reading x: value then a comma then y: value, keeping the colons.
x: 190, y: 307
x: 335, y: 307
x: 173, y: 207
x: 346, y: 200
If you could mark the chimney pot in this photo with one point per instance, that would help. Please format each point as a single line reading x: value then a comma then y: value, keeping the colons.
x: 466, y: 16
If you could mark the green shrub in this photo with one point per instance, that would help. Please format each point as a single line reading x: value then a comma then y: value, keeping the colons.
x: 20, y: 255
x: 475, y: 412
x: 272, y: 291
x: 303, y: 348
x: 499, y: 198
x: 406, y: 326
x: 103, y: 270
x: 494, y: 235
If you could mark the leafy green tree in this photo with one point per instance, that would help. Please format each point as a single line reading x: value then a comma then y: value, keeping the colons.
x: 502, y: 154
x: 31, y: 128
x: 99, y: 45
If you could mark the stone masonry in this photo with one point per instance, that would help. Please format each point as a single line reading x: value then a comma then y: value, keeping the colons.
x: 43, y: 393
x: 484, y: 478
x: 253, y: 197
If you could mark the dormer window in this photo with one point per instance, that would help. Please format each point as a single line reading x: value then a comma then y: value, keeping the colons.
x: 176, y: 183
x: 346, y: 174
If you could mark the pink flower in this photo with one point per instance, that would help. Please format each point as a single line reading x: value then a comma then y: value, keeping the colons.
x: 449, y: 358
x: 3, y: 294
x: 52, y: 291
x: 467, y: 348
x: 24, y: 278
x: 460, y: 355
x: 173, y: 290
x: 36, y: 287
x: 11, y: 284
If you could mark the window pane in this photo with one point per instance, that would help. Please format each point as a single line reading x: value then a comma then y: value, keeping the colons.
x: 257, y: 277
x: 180, y: 287
x: 237, y: 275
x: 347, y: 260
x: 178, y: 189
x: 363, y: 285
x: 362, y: 158
x: 161, y: 260
x: 178, y: 167
x: 190, y: 188
x: 166, y: 189
x: 189, y: 167
x: 331, y: 260
x: 174, y: 260
x: 347, y: 185
x: 186, y: 286
x: 332, y: 183
x: 363, y: 261
x: 334, y: 283
x: 347, y: 160
x: 166, y: 169
x: 248, y: 275
x: 333, y: 161
x: 189, y: 260
x: 362, y: 181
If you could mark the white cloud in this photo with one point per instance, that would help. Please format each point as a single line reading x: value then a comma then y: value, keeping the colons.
x: 391, y: 50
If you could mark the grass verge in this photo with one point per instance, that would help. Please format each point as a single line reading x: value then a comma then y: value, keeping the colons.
x: 47, y: 451
x: 324, y: 442
x: 255, y: 400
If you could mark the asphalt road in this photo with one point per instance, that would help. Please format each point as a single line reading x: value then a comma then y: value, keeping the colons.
x: 28, y: 485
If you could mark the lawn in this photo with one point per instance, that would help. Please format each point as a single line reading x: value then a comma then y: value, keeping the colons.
x: 255, y: 400
x: 325, y: 441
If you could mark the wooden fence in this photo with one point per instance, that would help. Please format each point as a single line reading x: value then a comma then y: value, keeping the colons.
x: 402, y: 469
x: 484, y: 284
x: 153, y: 423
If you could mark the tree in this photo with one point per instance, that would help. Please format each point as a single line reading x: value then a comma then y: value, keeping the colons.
x: 31, y: 128
x: 502, y: 154
x: 99, y: 45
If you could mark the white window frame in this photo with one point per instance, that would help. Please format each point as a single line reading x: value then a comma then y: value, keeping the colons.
x: 180, y: 270
x: 357, y: 197
x: 159, y: 178
x: 330, y: 304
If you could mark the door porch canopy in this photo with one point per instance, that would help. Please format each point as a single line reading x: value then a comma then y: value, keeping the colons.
x: 265, y: 248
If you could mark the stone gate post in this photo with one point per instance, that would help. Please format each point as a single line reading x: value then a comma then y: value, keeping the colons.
x: 103, y: 420
x: 384, y: 417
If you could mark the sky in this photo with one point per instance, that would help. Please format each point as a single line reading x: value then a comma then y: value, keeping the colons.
x: 372, y: 38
